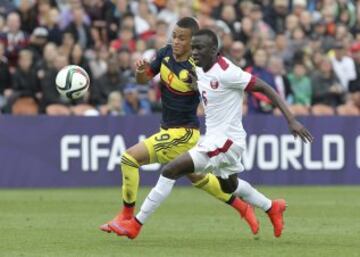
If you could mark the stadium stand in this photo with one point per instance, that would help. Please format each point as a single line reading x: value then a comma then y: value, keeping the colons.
x: 301, y: 47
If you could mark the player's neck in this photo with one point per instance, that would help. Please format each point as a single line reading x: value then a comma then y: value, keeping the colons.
x: 182, y: 58
x: 209, y: 65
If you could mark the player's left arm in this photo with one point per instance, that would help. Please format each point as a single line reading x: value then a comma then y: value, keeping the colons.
x: 296, y: 128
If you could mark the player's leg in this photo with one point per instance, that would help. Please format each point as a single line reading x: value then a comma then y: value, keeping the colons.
x: 156, y: 148
x: 172, y: 143
x: 185, y: 164
x: 274, y: 209
x: 131, y: 160
x: 243, y: 189
x: 210, y: 184
x: 172, y: 171
x: 169, y: 174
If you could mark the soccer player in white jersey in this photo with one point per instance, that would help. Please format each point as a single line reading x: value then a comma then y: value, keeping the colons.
x: 221, y: 85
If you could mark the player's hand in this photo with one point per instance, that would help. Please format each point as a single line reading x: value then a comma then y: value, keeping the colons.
x: 297, y: 129
x: 193, y: 79
x: 141, y: 65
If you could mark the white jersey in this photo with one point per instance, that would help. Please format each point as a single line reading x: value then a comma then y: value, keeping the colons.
x: 222, y: 91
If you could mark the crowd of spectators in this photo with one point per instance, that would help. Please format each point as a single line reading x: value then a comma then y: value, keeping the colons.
x: 307, y: 50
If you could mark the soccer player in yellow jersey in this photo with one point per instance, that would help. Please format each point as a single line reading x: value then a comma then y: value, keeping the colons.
x: 179, y: 129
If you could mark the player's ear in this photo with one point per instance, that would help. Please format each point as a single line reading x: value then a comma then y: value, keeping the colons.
x: 214, y: 50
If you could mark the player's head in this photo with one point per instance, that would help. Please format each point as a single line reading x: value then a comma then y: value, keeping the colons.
x: 182, y: 33
x: 204, y: 46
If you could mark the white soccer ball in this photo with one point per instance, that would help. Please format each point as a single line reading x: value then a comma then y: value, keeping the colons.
x: 72, y: 81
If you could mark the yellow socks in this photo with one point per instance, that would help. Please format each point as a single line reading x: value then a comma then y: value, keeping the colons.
x: 130, y: 176
x: 211, y: 185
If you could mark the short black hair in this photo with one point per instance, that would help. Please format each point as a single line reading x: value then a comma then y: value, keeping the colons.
x: 211, y: 34
x: 188, y: 23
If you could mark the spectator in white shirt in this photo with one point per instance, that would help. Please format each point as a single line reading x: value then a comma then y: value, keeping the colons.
x: 344, y: 66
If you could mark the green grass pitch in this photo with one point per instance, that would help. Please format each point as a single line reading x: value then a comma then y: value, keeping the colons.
x: 320, y: 222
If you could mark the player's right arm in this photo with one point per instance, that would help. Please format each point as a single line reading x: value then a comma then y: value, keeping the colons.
x: 142, y: 75
x: 146, y: 71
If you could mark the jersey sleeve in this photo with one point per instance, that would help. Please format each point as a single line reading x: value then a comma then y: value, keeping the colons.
x: 156, y: 63
x: 237, y: 78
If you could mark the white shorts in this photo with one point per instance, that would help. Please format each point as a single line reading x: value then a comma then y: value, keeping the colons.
x: 218, y: 155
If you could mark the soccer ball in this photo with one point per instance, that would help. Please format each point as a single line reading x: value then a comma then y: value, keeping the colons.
x: 72, y: 81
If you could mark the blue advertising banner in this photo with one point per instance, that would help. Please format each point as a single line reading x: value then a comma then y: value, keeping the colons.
x: 85, y: 151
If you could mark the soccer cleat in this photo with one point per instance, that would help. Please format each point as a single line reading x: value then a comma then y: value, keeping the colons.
x: 247, y: 212
x: 126, y: 214
x: 129, y: 228
x: 105, y: 227
x: 276, y: 215
x: 250, y: 218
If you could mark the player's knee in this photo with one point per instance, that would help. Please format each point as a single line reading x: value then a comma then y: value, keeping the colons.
x: 168, y: 172
x: 128, y: 160
x: 139, y: 152
x: 179, y: 167
x: 195, y: 177
x: 229, y: 189
x: 172, y: 170
x: 229, y: 185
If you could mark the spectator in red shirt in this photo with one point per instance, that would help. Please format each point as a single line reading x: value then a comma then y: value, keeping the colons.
x: 14, y: 38
x: 125, y: 40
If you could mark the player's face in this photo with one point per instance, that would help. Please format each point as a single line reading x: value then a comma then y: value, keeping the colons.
x: 181, y: 38
x: 203, y: 51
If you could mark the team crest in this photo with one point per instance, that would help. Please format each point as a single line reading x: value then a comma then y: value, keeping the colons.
x: 184, y: 75
x: 214, y: 84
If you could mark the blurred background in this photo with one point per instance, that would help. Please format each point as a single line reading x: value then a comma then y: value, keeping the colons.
x: 308, y: 50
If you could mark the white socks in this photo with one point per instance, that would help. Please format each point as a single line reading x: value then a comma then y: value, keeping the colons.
x: 252, y: 196
x: 164, y: 186
x: 156, y: 196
